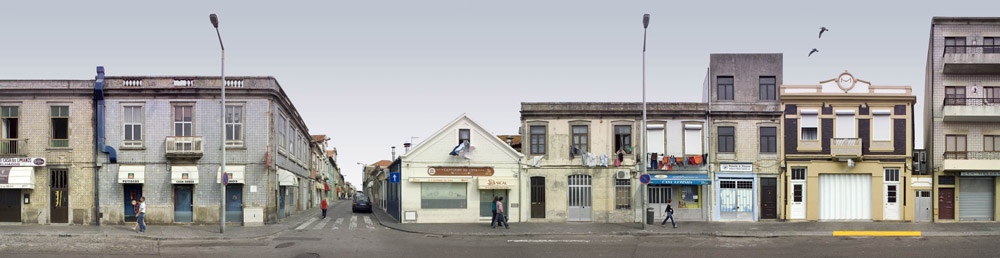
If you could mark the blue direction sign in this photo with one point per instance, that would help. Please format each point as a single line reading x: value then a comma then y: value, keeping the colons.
x: 394, y: 177
x: 644, y: 178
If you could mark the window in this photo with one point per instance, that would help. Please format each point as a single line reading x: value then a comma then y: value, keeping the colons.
x: 991, y: 143
x: 234, y: 125
x: 846, y: 127
x: 798, y: 174
x: 992, y: 94
x: 881, y: 125
x: 9, y: 130
x: 946, y: 180
x: 809, y: 122
x: 797, y: 193
x: 623, y: 138
x: 537, y: 139
x: 623, y: 194
x: 725, y: 85
x: 954, y: 95
x: 132, y: 130
x: 892, y: 175
x: 282, y: 131
x: 60, y: 126
x: 727, y: 139
x: 954, y: 45
x: 768, y: 90
x: 955, y: 146
x: 580, y: 137
x: 891, y: 193
x: 183, y: 121
x: 464, y: 136
x: 689, y: 197
x: 768, y: 140
x: 991, y: 45
x: 443, y: 195
x: 692, y: 139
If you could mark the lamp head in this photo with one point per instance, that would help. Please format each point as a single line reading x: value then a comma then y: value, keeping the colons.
x: 645, y: 20
x: 215, y: 20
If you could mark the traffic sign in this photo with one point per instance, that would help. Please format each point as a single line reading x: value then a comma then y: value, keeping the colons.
x: 394, y: 177
x: 644, y: 178
x: 225, y: 178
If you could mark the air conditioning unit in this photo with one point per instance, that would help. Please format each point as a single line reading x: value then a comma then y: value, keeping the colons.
x: 622, y: 174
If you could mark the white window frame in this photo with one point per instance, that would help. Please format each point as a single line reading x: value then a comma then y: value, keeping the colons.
x: 847, y: 124
x: 282, y: 133
x: 52, y: 126
x: 237, y: 140
x: 881, y: 125
x: 693, y: 139
x: 809, y: 118
x: 128, y: 121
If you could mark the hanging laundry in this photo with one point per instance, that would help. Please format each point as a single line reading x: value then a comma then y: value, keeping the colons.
x: 604, y: 160
x: 467, y: 152
x: 457, y: 149
x: 652, y: 161
x: 591, y: 160
x: 697, y: 160
x: 618, y: 162
x: 537, y: 161
x: 672, y: 161
x: 665, y: 162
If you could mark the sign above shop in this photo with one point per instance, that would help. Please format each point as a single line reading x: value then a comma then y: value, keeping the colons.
x: 497, y: 182
x: 980, y: 173
x: 736, y: 167
x: 22, y: 162
x: 681, y: 179
x: 460, y: 171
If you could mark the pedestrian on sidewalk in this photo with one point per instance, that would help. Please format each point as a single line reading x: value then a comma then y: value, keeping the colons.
x: 135, y: 210
x: 142, y: 215
x: 500, y: 217
x: 324, y: 208
x: 670, y: 216
x: 494, y: 217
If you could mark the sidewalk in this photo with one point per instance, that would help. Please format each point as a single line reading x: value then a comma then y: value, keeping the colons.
x: 163, y: 232
x: 722, y: 229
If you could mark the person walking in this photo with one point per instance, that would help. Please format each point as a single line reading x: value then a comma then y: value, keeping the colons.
x: 323, y: 206
x: 494, y: 204
x: 142, y: 215
x: 670, y: 216
x: 135, y: 211
x: 499, y: 217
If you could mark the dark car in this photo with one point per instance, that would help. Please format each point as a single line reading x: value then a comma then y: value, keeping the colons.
x: 361, y: 203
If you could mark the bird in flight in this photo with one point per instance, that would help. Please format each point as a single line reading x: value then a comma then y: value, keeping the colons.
x: 821, y: 30
x: 813, y: 51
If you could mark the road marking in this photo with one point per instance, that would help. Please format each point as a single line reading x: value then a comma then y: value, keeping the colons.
x: 368, y: 223
x: 877, y: 233
x: 306, y: 224
x: 321, y: 224
x: 336, y: 224
x: 546, y: 241
x: 354, y: 223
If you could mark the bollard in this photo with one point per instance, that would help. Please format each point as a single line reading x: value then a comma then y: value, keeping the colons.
x: 649, y: 216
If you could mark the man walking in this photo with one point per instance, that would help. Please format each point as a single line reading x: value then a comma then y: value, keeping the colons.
x: 500, y: 218
x: 670, y: 216
x: 142, y: 215
x: 324, y: 208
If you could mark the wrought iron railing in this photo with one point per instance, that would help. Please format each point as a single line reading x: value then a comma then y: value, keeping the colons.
x: 13, y: 147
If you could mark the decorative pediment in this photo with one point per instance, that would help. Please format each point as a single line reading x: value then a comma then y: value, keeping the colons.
x: 845, y: 83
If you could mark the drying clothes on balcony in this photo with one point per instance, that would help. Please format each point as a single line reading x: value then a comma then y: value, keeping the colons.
x: 467, y: 152
x: 457, y: 149
x: 604, y: 161
x: 653, y: 164
x: 618, y: 162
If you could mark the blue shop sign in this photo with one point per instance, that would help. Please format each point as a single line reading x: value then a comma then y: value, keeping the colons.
x: 681, y: 179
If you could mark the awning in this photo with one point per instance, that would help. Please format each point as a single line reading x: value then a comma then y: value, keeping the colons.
x: 184, y: 174
x: 497, y: 182
x: 235, y: 174
x: 439, y: 179
x: 286, y: 178
x: 17, y: 178
x: 132, y: 174
x: 681, y: 179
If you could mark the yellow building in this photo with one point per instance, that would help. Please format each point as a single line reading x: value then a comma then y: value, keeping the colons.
x: 847, y: 151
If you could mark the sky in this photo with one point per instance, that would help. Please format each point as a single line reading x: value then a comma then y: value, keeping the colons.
x: 371, y: 74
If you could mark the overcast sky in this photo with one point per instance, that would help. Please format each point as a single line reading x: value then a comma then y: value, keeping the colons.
x: 372, y: 74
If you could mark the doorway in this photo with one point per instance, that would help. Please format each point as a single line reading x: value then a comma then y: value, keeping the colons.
x: 923, y: 206
x: 183, y: 203
x: 131, y: 192
x: 59, y: 198
x: 769, y: 198
x: 946, y: 203
x: 580, y: 198
x: 486, y: 201
x: 281, y: 201
x: 797, y: 209
x: 10, y: 205
x: 537, y: 197
x: 736, y: 200
x: 659, y: 197
x: 234, y: 203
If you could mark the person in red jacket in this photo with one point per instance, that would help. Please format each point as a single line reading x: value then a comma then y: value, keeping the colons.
x: 324, y: 208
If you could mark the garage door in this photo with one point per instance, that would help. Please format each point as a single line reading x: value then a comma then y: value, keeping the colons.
x: 975, y: 199
x: 845, y: 197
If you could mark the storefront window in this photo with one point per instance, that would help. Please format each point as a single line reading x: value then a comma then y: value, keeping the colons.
x: 443, y: 195
x: 690, y: 197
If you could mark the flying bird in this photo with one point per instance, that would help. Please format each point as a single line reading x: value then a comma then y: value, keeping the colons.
x: 813, y: 51
x: 821, y: 30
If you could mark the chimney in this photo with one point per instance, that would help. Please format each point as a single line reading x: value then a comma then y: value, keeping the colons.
x: 393, y: 152
x: 406, y: 147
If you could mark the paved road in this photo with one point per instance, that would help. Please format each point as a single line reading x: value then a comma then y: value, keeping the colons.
x: 345, y: 234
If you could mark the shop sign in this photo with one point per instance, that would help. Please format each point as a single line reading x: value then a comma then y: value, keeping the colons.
x: 22, y: 162
x: 980, y: 173
x: 736, y: 167
x: 460, y: 171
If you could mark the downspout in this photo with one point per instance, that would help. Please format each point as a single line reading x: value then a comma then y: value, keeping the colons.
x: 99, y: 140
x: 708, y: 133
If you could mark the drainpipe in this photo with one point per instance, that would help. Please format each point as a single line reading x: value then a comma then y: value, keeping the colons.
x: 708, y: 133
x: 99, y: 139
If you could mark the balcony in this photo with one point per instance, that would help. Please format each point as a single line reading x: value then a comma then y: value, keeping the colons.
x: 845, y: 147
x: 971, y: 160
x: 971, y: 59
x: 13, y: 147
x: 971, y: 109
x: 682, y: 163
x: 184, y: 147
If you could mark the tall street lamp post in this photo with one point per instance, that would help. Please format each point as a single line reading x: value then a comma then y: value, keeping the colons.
x: 222, y: 131
x: 645, y: 24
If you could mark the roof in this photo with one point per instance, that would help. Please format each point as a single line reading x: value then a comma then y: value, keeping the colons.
x: 964, y: 20
x: 382, y: 163
x: 516, y: 139
x: 319, y: 137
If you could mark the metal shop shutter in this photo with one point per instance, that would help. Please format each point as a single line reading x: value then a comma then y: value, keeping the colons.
x: 975, y: 199
x: 845, y: 197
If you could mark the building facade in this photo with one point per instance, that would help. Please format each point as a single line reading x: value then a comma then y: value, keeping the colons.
x: 847, y: 151
x: 962, y: 115
x: 743, y: 100
x: 47, y: 152
x: 165, y: 134
x: 584, y: 161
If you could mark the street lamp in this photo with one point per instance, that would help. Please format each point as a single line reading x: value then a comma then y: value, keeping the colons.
x: 645, y: 24
x: 222, y: 130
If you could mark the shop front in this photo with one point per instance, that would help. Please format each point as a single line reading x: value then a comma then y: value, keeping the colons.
x: 184, y: 179
x: 735, y: 187
x: 683, y: 191
x: 132, y: 178
x: 15, y: 181
x: 235, y: 174
x: 977, y: 195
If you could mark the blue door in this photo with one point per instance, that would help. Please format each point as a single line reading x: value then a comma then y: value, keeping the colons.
x: 183, y: 203
x: 132, y: 192
x: 234, y: 203
x: 281, y: 202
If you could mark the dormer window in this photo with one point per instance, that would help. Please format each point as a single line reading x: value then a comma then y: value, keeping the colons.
x: 464, y: 136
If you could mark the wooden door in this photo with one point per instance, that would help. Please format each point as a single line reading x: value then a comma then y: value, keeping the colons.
x: 946, y: 203
x: 769, y: 198
x: 59, y: 197
x: 538, y: 197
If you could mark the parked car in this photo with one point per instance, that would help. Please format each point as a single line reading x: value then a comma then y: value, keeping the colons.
x: 361, y: 203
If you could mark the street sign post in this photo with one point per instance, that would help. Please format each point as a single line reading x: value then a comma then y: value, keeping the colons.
x: 644, y: 178
x: 394, y: 177
x: 225, y: 178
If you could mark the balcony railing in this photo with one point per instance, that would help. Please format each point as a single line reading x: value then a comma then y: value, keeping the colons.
x: 184, y: 146
x: 971, y: 49
x: 950, y: 101
x: 972, y: 155
x: 13, y: 147
x: 845, y: 147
